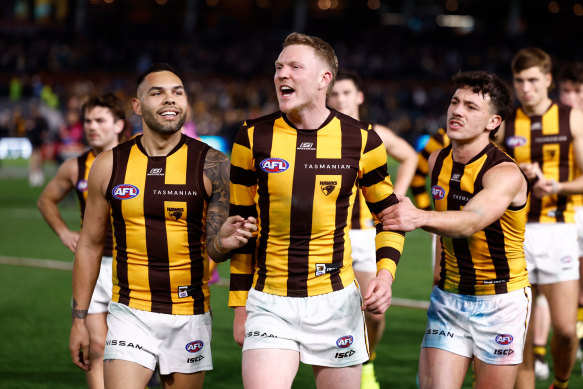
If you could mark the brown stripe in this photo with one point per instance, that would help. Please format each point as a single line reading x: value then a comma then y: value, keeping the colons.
x: 509, y: 132
x: 536, y: 152
x: 240, y: 282
x: 377, y: 207
x: 262, y: 142
x: 81, y: 163
x: 356, y: 212
x: 242, y: 176
x: 156, y: 239
x: 564, y: 166
x: 388, y: 252
x: 460, y: 246
x: 195, y: 224
x: 374, y: 176
x: 121, y: 156
x: 300, y: 223
x: 495, y: 241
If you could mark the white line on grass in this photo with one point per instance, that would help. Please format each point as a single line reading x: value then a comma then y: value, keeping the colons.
x: 62, y: 265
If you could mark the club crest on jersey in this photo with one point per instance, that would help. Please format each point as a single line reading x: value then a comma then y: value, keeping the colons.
x: 504, y: 339
x: 175, y: 213
x: 194, y: 347
x: 328, y: 186
x: 437, y: 192
x: 345, y: 341
x: 515, y: 141
x: 82, y: 185
x: 125, y: 192
x: 274, y: 165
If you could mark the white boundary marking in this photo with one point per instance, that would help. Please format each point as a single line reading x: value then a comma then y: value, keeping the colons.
x: 68, y: 266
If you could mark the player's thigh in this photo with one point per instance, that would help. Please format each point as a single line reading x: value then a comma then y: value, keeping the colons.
x: 562, y: 298
x: 269, y: 368
x: 494, y: 376
x: 119, y: 374
x: 338, y: 377
x: 183, y: 381
x: 440, y: 369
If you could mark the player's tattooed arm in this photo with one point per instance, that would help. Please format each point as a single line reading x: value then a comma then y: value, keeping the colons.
x: 78, y: 313
x: 216, y: 169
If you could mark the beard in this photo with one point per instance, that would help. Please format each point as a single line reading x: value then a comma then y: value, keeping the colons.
x: 157, y: 125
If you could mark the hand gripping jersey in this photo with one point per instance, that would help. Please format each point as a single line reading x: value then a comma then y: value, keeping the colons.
x: 158, y: 211
x: 302, y: 185
x: 84, y: 163
x: 437, y: 141
x: 547, y: 140
x: 491, y: 261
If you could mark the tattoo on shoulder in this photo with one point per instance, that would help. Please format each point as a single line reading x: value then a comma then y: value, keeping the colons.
x: 216, y: 168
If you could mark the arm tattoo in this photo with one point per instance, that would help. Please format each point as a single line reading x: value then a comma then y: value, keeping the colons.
x: 216, y: 168
x: 78, y: 313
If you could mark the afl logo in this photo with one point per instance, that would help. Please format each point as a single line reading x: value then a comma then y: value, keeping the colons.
x: 344, y: 341
x: 274, y: 165
x: 437, y: 192
x: 194, y: 347
x: 82, y: 185
x: 125, y: 192
x: 515, y: 141
x: 504, y: 339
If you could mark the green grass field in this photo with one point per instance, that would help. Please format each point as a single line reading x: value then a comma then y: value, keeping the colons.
x: 35, y: 308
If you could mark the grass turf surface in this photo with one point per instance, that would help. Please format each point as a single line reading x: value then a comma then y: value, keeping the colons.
x: 35, y: 309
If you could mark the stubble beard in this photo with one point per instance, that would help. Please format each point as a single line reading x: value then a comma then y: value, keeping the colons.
x: 160, y: 127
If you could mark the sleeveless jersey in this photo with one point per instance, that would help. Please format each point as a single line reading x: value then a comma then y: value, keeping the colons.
x: 437, y: 141
x: 84, y: 163
x: 302, y: 186
x: 547, y: 140
x: 158, y: 211
x: 490, y: 261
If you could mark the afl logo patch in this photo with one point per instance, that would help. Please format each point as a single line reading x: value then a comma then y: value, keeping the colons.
x: 82, y: 185
x: 194, y: 347
x: 125, y: 192
x: 437, y: 192
x: 274, y: 165
x: 344, y: 341
x: 504, y: 339
x: 515, y: 141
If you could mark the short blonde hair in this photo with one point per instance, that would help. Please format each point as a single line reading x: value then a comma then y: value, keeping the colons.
x: 322, y: 49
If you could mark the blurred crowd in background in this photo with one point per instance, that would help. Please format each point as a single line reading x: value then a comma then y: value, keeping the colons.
x: 55, y: 53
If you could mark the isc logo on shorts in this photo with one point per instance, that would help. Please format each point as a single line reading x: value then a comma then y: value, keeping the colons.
x: 125, y: 192
x: 194, y: 347
x: 437, y: 192
x: 504, y: 339
x: 344, y: 341
x: 274, y: 165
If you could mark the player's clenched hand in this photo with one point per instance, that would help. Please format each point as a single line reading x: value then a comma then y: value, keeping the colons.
x: 239, y: 325
x: 401, y: 217
x: 236, y: 232
x: 377, y: 297
x: 545, y: 188
x: 79, y: 341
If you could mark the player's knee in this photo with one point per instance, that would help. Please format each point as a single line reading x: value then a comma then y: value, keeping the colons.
x: 565, y: 334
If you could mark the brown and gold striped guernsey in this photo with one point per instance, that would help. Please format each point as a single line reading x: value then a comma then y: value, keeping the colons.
x: 547, y: 140
x: 84, y: 163
x: 304, y: 184
x: 158, y: 210
x: 492, y: 260
x: 437, y: 141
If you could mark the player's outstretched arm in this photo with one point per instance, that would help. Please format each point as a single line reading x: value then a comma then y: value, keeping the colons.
x: 503, y: 185
x: 55, y: 191
x: 88, y: 257
x: 224, y: 234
